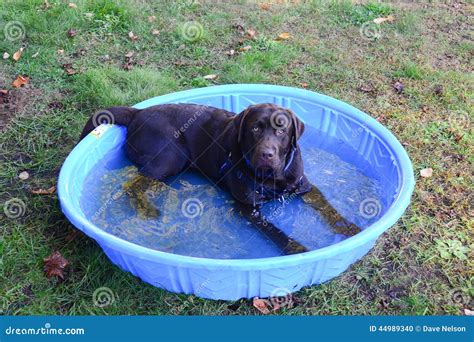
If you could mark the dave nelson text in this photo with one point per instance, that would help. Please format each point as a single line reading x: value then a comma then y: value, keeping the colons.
x: 443, y: 328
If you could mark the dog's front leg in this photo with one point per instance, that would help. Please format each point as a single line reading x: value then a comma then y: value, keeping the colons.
x: 283, y: 241
x: 339, y: 224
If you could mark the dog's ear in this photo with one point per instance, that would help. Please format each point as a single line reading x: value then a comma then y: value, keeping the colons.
x: 239, y: 121
x: 297, y: 124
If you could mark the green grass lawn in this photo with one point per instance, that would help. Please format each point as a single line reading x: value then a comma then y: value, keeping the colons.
x: 418, y: 267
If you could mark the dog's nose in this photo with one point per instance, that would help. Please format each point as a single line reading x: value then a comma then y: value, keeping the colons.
x: 267, y: 154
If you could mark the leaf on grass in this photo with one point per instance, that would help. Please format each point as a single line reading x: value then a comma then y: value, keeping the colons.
x: 399, y: 87
x: 132, y: 36
x: 35, y: 55
x: 231, y: 52
x: 261, y: 305
x: 6, y: 55
x: 151, y: 18
x: 72, y: 5
x: 20, y: 81
x: 71, y: 33
x: 366, y: 88
x: 304, y: 85
x: 265, y: 6
x: 468, y: 312
x: 155, y: 32
x: 54, y: 265
x: 245, y: 48
x: 210, y: 77
x: 426, y: 173
x: 381, y: 20
x: 40, y: 191
x: 129, y: 54
x: 24, y: 175
x: 283, y: 36
x: 251, y: 33
x: 17, y: 55
x: 3, y: 92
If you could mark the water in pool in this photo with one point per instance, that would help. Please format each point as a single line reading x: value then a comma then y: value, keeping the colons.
x: 189, y: 216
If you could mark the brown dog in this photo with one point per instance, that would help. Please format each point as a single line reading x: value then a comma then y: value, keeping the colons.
x: 255, y: 154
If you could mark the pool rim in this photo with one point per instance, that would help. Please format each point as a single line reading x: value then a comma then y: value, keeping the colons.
x: 368, y: 235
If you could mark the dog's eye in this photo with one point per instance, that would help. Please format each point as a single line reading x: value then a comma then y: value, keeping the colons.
x: 255, y: 128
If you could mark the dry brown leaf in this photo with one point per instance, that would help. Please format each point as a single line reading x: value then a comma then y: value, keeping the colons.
x: 129, y: 54
x: 3, y: 92
x: 20, y: 81
x: 155, y: 32
x: 151, y: 18
x: 304, y: 84
x: 251, y: 33
x: 265, y: 6
x: 48, y: 191
x: 54, y: 265
x: 426, y: 173
x: 132, y: 36
x: 283, y: 36
x: 24, y: 175
x: 210, y: 77
x: 381, y: 20
x: 245, y: 48
x: 60, y: 52
x: 261, y: 305
x: 17, y: 55
x: 71, y: 33
x: 72, y: 5
x: 6, y: 55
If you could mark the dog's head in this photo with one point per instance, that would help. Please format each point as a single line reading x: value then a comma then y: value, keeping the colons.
x: 267, y: 136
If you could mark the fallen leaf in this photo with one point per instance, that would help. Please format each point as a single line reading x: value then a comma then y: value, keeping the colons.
x: 231, y: 52
x: 426, y: 173
x: 89, y: 15
x: 381, y: 20
x: 72, y: 5
x: 132, y: 36
x: 261, y: 305
x: 155, y: 32
x: 210, y: 77
x: 20, y: 81
x: 3, y: 92
x: 48, y: 191
x: 35, y: 55
x: 304, y: 85
x: 60, y: 52
x: 251, y: 33
x: 265, y: 6
x: 17, y: 55
x: 127, y: 66
x: 24, y: 175
x: 69, y: 69
x: 283, y: 36
x: 151, y: 18
x: 129, y: 54
x: 399, y: 87
x: 245, y: 48
x: 366, y: 88
x: 46, y: 5
x: 6, y: 55
x: 54, y: 265
x: 438, y: 90
x: 468, y: 312
x: 71, y: 33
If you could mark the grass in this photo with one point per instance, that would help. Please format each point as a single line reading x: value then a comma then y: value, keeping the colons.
x: 414, y: 268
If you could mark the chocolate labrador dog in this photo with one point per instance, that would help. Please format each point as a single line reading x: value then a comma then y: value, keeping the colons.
x: 254, y: 155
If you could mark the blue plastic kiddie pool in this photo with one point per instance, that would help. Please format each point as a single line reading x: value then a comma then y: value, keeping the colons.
x: 376, y: 152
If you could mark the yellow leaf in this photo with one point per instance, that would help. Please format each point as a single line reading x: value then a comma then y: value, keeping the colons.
x: 17, y: 55
x: 283, y: 36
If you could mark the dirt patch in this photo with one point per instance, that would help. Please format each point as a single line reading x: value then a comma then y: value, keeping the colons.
x: 15, y: 101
